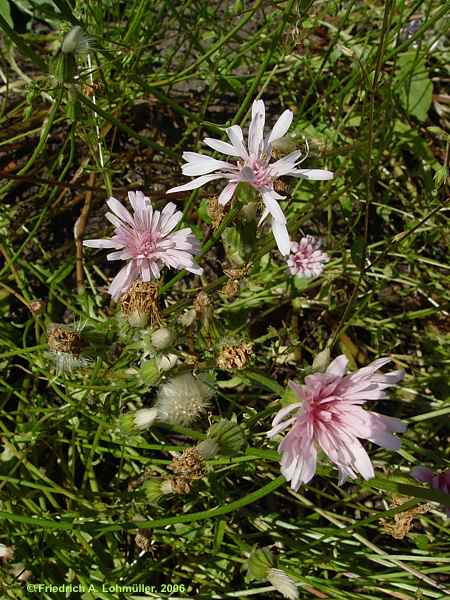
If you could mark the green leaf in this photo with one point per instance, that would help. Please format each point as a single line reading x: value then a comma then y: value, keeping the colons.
x: 5, y: 11
x: 415, y: 87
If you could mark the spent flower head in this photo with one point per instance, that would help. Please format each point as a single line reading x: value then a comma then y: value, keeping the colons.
x: 252, y: 167
x: 328, y: 416
x: 182, y: 400
x: 147, y: 242
x: 306, y: 258
x: 76, y: 42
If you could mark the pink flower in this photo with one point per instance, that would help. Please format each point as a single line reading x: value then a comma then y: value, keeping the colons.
x: 439, y: 482
x: 253, y: 167
x: 306, y: 258
x: 145, y: 241
x: 329, y: 416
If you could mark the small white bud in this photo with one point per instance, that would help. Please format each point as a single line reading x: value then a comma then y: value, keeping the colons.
x: 161, y: 338
x: 167, y: 362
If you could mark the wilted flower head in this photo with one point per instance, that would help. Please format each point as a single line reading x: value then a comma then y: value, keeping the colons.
x: 439, y: 481
x: 140, y: 304
x: 252, y: 167
x: 182, y: 400
x: 146, y: 241
x: 329, y: 416
x: 306, y: 258
x: 65, y: 344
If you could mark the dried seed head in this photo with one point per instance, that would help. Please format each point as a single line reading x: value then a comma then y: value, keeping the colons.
x: 202, y: 305
x: 231, y: 289
x: 182, y: 400
x: 403, y: 521
x: 143, y: 542
x: 180, y: 486
x: 62, y: 338
x: 140, y: 304
x: 283, y: 583
x: 235, y: 357
x: 280, y: 186
x: 189, y: 465
x: 238, y: 274
x: 215, y: 211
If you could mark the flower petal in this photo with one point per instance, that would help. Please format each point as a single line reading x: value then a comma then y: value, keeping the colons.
x: 281, y: 235
x: 256, y: 129
x: 120, y: 210
x: 198, y: 182
x: 317, y: 174
x: 227, y: 193
x: 236, y: 137
x: 122, y: 280
x: 103, y: 243
x: 281, y: 126
x: 223, y: 147
x: 423, y: 474
x: 200, y: 164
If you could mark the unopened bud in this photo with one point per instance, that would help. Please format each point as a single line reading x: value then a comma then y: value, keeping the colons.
x: 161, y: 338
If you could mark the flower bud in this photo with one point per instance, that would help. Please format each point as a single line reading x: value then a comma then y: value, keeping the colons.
x: 166, y: 362
x: 322, y: 360
x: 161, y: 338
x: 228, y: 436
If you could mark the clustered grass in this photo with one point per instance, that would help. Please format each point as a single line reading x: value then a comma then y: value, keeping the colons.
x: 112, y: 110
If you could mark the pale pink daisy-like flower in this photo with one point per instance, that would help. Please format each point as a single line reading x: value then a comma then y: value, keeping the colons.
x: 306, y: 258
x: 329, y: 416
x: 253, y: 167
x: 147, y: 242
x: 439, y: 481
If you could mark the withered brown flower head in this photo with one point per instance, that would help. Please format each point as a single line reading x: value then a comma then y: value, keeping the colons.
x: 189, y: 465
x: 403, y: 521
x: 235, y: 357
x: 64, y: 339
x: 140, y: 304
x: 215, y: 211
